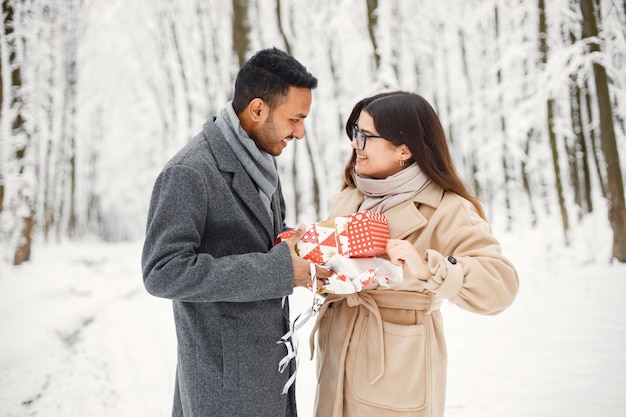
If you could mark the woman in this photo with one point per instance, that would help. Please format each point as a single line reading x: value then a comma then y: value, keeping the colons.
x: 382, y: 352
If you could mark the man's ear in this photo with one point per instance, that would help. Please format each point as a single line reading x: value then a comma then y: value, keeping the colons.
x: 257, y: 109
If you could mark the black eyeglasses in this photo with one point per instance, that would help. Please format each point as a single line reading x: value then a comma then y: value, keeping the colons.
x: 361, y: 138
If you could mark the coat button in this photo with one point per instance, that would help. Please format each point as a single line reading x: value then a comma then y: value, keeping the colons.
x: 452, y: 260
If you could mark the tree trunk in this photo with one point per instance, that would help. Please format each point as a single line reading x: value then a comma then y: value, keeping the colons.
x: 578, y: 154
x: 505, y: 151
x: 573, y: 150
x: 281, y: 29
x: 587, y: 200
x: 201, y: 13
x: 241, y: 30
x: 593, y: 140
x: 372, y: 22
x: 526, y: 180
x: 4, y: 66
x: 69, y: 107
x: 26, y: 221
x: 543, y: 49
x: 557, y: 170
x: 184, y: 79
x: 23, y: 251
x: 608, y: 142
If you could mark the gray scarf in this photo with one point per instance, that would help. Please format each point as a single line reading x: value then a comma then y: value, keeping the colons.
x: 382, y: 194
x: 260, y: 166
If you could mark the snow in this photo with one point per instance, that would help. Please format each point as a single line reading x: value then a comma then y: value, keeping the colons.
x: 81, y: 337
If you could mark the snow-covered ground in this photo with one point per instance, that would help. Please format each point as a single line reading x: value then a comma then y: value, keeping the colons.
x: 81, y: 337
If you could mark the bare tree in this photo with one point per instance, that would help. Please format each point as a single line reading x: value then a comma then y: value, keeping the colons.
x: 543, y: 48
x: 241, y: 30
x: 614, y: 181
x: 505, y: 157
x: 372, y: 24
x: 13, y: 108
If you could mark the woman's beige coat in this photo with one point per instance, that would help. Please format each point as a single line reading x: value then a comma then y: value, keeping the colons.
x: 382, y: 352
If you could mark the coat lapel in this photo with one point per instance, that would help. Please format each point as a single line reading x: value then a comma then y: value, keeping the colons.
x: 242, y: 185
x: 404, y: 219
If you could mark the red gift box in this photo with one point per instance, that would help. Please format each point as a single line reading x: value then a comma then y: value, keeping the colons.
x: 359, y: 235
x: 367, y: 234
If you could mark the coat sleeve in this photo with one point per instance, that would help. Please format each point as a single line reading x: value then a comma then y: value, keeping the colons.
x: 174, y: 263
x: 470, y: 269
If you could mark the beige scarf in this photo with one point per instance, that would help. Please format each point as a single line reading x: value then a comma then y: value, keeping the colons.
x: 382, y: 194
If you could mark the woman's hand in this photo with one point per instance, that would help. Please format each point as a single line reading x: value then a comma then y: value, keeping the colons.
x: 403, y: 253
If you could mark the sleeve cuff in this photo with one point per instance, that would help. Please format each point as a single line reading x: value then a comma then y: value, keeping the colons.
x: 447, y: 274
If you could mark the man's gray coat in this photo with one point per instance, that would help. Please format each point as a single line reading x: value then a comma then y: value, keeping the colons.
x: 209, y: 247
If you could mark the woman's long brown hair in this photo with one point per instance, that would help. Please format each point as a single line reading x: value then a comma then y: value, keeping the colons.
x: 408, y: 119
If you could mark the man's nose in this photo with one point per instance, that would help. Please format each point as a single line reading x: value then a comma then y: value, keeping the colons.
x: 298, y: 132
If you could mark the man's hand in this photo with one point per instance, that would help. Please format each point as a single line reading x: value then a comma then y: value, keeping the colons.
x: 302, y: 267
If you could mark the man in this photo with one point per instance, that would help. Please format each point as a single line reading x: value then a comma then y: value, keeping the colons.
x: 215, y: 212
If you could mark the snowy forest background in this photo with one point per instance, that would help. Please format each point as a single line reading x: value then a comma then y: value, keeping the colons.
x: 96, y: 96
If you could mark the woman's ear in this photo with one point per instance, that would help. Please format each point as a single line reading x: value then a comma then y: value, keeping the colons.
x: 405, y: 152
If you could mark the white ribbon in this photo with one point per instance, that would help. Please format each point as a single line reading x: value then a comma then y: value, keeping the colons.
x: 290, y: 339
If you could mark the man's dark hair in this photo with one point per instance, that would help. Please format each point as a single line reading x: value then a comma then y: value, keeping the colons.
x: 268, y: 74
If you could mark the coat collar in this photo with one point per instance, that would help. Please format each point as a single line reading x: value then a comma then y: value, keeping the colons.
x: 242, y: 184
x: 404, y: 219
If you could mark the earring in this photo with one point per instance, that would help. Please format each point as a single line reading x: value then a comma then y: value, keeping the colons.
x: 402, y: 163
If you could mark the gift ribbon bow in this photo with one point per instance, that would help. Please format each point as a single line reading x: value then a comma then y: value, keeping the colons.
x: 290, y: 339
